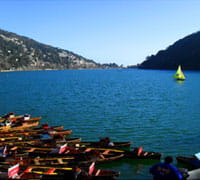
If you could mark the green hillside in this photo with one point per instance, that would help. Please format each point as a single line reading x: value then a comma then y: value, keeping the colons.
x: 185, y: 52
x: 22, y: 53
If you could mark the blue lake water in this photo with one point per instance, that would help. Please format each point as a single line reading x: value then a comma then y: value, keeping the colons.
x: 146, y: 107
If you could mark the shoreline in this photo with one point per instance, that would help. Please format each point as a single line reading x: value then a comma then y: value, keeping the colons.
x: 15, y: 70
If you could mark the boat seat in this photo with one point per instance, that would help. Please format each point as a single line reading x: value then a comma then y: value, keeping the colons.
x: 106, y: 152
x: 31, y: 150
x: 87, y: 150
x: 98, y: 172
x: 60, y: 161
x: 50, y: 171
x: 36, y: 161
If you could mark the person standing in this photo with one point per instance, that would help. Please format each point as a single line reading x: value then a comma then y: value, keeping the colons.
x: 165, y: 171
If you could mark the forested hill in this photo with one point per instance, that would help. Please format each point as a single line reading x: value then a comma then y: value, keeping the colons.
x: 22, y: 53
x: 185, y: 52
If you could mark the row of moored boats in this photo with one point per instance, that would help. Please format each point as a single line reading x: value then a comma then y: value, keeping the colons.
x: 29, y: 150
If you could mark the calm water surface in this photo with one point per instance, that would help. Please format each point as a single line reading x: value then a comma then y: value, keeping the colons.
x: 146, y: 107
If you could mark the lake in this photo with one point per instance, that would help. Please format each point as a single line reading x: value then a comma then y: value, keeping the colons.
x: 146, y: 107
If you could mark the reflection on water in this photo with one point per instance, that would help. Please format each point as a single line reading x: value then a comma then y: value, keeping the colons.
x: 139, y: 168
x: 179, y: 81
x: 132, y: 168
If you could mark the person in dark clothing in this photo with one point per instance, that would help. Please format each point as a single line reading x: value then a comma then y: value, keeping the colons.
x: 165, y: 171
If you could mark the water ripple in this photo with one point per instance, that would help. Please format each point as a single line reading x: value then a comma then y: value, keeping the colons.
x: 145, y: 107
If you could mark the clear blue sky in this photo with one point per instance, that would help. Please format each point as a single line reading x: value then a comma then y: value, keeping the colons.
x: 120, y: 31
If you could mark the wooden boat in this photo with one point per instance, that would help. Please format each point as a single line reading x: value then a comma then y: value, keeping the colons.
x: 33, y: 119
x: 52, y: 170
x: 89, y: 155
x: 45, y: 147
x: 17, y: 133
x: 183, y: 159
x: 20, y: 127
x: 26, y: 125
x: 47, y: 138
x: 47, y: 127
x: 8, y: 116
x: 13, y: 118
x: 61, y: 173
x: 7, y: 138
x: 72, y: 140
x: 14, y: 172
x: 57, y: 140
x: 114, y: 145
x: 104, y: 154
x: 25, y: 159
x: 13, y: 139
x: 17, y: 172
x: 138, y: 153
x: 90, y: 173
x: 60, y: 132
x: 40, y: 140
x: 28, y: 131
x: 107, y: 143
x: 179, y: 74
x: 191, y: 161
x: 18, y: 142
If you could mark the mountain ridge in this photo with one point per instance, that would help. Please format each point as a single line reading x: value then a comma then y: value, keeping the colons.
x: 184, y: 52
x: 23, y: 53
